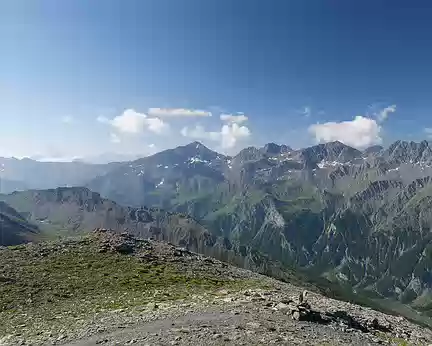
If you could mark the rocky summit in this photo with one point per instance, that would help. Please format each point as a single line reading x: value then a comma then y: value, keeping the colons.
x: 115, y: 289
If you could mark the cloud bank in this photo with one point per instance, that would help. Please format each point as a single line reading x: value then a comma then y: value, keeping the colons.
x: 178, y: 112
x: 132, y: 122
x: 384, y: 113
x: 234, y: 118
x: 360, y: 132
x: 228, y: 136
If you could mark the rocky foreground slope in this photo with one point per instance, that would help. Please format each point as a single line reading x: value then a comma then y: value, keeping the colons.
x: 110, y: 288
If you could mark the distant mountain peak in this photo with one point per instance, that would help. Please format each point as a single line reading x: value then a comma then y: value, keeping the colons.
x: 331, y: 151
x: 336, y: 144
x: 409, y: 152
x: 273, y: 148
x: 194, y: 145
x: 196, y: 149
x: 374, y: 149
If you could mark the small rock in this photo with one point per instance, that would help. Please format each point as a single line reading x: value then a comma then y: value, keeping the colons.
x: 253, y: 325
x: 152, y: 306
x: 296, y: 315
x: 282, y: 307
x: 257, y: 299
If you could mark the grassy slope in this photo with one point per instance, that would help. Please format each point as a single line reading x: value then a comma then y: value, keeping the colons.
x: 50, y: 287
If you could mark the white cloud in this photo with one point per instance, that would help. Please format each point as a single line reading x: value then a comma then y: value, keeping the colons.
x: 152, y: 145
x: 228, y: 136
x: 56, y: 158
x: 156, y: 125
x: 198, y: 132
x: 178, y: 112
x: 428, y: 131
x: 232, y: 133
x: 132, y: 122
x: 306, y: 111
x: 360, y: 132
x: 114, y: 138
x: 67, y: 119
x: 384, y: 113
x: 234, y: 118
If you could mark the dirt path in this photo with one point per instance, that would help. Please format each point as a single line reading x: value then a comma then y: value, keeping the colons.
x: 160, y: 327
x: 215, y: 327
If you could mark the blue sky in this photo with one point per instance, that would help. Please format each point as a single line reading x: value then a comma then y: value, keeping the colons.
x: 77, y: 78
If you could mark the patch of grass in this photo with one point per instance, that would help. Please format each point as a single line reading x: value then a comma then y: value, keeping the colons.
x: 43, y: 287
x: 393, y: 340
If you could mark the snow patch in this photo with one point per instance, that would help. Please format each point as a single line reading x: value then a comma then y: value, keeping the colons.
x: 342, y: 276
x: 324, y: 164
x: 196, y: 159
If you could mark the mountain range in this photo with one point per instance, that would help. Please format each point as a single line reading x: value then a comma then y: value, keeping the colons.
x: 360, y: 219
x: 21, y: 174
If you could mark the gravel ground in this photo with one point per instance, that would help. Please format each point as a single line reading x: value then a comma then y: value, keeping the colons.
x: 248, y: 317
x: 251, y: 317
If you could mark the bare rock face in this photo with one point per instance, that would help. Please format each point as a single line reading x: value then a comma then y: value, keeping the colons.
x: 14, y: 228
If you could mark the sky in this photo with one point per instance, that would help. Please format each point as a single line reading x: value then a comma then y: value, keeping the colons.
x: 85, y: 78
